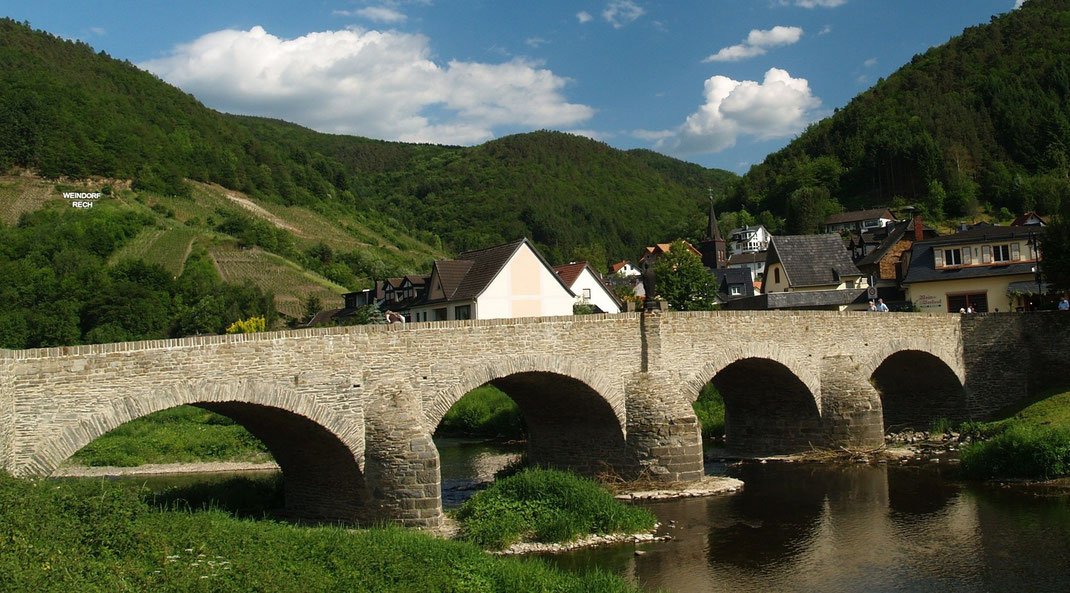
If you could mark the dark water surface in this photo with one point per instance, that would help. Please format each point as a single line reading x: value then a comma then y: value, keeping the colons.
x: 850, y: 528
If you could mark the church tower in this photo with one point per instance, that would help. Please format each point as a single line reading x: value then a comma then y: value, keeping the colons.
x: 712, y: 248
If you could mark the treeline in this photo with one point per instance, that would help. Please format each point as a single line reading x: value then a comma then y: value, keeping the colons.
x: 57, y: 289
x: 981, y: 122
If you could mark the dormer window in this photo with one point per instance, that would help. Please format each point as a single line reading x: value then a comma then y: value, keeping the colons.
x: 952, y: 257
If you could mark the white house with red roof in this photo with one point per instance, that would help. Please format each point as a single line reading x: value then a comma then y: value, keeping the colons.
x: 588, y: 287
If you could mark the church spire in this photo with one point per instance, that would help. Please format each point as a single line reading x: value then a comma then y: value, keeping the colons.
x: 712, y: 248
x: 712, y: 232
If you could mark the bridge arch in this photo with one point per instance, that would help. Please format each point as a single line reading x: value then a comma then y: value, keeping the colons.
x: 771, y: 399
x: 576, y: 416
x: 320, y: 453
x: 951, y: 357
x: 735, y: 353
x: 917, y: 384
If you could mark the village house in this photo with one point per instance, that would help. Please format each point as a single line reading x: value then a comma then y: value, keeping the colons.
x: 749, y: 239
x: 808, y: 272
x: 588, y: 287
x: 864, y: 219
x: 986, y: 268
x: 879, y: 255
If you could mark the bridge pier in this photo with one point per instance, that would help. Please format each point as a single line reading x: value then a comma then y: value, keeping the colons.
x: 663, y: 431
x: 850, y: 406
x: 401, y: 463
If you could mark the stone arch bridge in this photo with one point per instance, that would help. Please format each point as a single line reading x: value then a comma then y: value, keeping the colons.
x: 348, y: 413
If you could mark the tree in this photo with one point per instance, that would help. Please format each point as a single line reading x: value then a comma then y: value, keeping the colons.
x: 681, y: 279
x: 1055, y: 250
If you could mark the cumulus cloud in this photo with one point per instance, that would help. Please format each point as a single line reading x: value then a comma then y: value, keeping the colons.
x: 622, y: 12
x: 584, y: 16
x: 777, y: 107
x: 370, y: 83
x: 757, y: 43
x: 1018, y: 3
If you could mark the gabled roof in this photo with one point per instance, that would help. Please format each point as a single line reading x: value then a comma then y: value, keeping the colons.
x: 811, y: 260
x: 617, y: 266
x: 451, y: 274
x: 661, y: 248
x: 983, y: 233
x: 859, y: 216
x: 467, y: 276
x: 569, y: 273
x: 1024, y: 220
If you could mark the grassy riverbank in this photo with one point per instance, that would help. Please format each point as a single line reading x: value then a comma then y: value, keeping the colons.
x: 709, y: 408
x: 1032, y: 442
x: 185, y: 434
x: 99, y: 536
x: 546, y: 506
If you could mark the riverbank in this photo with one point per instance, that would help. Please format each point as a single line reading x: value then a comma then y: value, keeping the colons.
x: 162, y: 469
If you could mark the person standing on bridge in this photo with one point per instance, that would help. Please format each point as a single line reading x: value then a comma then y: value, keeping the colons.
x: 1064, y: 305
x: 881, y: 306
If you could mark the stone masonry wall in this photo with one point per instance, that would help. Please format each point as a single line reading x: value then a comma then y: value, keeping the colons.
x: 379, y: 392
x: 7, y: 408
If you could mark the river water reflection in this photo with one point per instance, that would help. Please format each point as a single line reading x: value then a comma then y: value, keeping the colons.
x: 850, y: 528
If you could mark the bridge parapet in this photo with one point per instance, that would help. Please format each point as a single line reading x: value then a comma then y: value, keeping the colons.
x: 7, y: 408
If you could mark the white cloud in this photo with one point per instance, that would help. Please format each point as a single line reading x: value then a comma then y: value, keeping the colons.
x: 1018, y: 3
x: 622, y: 12
x: 820, y: 3
x: 777, y: 107
x: 370, y: 83
x: 870, y: 63
x: 825, y: 30
x: 584, y: 16
x: 535, y: 42
x: 757, y: 43
x: 99, y: 31
x: 378, y: 14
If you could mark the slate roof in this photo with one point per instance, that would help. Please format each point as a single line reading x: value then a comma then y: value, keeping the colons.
x: 747, y: 258
x: 858, y: 216
x: 811, y: 260
x: 923, y: 264
x: 729, y: 276
x: 809, y: 299
x: 450, y: 275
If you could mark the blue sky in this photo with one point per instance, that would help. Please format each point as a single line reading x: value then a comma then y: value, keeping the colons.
x: 721, y: 83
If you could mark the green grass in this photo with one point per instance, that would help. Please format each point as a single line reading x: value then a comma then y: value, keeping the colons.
x: 546, y: 506
x: 1030, y: 442
x: 709, y: 407
x: 184, y: 434
x: 483, y: 412
x: 100, y: 536
x: 1022, y: 451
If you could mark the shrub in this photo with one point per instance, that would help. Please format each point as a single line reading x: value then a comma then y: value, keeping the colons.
x: 709, y: 407
x: 939, y: 426
x: 1021, y: 451
x: 547, y: 506
x: 483, y: 412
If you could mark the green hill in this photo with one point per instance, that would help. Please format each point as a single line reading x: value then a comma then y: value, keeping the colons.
x: 68, y: 111
x: 981, y: 122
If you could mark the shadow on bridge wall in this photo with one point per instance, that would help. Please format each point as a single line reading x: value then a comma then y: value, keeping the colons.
x: 768, y: 409
x: 917, y: 387
x: 570, y: 425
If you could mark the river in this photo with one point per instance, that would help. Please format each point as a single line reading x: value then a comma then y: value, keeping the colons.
x: 824, y: 528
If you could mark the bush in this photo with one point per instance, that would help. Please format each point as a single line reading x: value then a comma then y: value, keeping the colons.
x: 709, y: 407
x: 1022, y: 452
x: 546, y: 506
x: 483, y: 412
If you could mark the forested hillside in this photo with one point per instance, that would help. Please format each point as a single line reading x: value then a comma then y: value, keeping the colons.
x: 67, y: 111
x: 981, y: 122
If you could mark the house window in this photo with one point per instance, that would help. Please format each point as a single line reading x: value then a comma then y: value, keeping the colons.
x: 586, y: 294
x: 1001, y: 253
x: 438, y: 314
x: 952, y: 257
x: 462, y: 312
x: 776, y: 276
x: 735, y: 290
